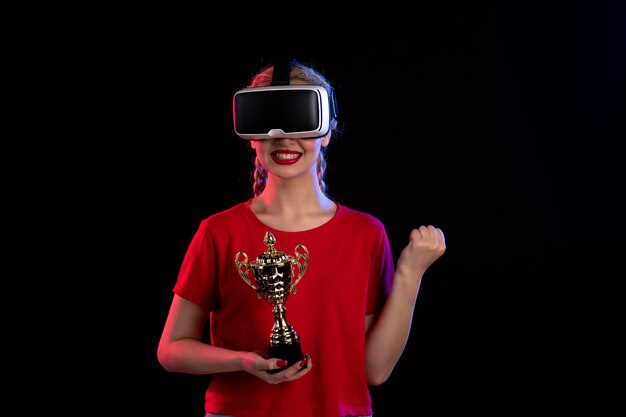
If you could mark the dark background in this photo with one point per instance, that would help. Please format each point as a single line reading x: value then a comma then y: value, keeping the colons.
x: 499, y: 123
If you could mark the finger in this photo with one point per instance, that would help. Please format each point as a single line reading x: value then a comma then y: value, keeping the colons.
x: 303, y: 367
x: 276, y: 363
x: 306, y: 362
x: 419, y: 233
x: 429, y: 235
x: 295, y: 371
x: 442, y: 238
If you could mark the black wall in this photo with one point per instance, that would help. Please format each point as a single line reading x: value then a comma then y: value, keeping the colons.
x: 500, y: 123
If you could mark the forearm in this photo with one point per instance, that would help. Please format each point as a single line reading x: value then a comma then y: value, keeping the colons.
x: 195, y: 357
x: 388, y: 335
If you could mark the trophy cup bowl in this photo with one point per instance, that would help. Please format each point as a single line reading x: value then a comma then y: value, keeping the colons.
x: 272, y: 275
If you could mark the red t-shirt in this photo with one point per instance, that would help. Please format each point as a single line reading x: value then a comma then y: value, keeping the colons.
x: 349, y: 275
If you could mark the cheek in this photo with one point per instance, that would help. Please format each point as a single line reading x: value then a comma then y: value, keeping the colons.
x: 312, y: 146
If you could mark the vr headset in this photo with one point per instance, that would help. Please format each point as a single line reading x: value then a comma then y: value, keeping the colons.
x: 282, y: 110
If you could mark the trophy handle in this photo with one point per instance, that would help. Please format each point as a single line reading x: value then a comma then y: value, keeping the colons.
x: 301, y: 267
x: 243, y: 268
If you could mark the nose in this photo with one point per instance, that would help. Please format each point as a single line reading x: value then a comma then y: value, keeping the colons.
x: 284, y: 140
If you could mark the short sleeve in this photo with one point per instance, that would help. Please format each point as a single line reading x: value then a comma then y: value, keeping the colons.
x: 381, y: 272
x: 197, y: 277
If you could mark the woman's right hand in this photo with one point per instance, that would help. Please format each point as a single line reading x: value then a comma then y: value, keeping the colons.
x: 255, y: 364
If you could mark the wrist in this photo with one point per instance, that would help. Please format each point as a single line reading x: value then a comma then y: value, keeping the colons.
x: 408, y: 275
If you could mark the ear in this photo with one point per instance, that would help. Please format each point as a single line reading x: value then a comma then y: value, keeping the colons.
x: 326, y: 139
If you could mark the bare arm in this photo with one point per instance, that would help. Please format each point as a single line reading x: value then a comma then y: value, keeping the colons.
x: 181, y: 349
x: 388, y: 333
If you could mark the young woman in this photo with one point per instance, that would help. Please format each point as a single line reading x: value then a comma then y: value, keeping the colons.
x: 353, y: 308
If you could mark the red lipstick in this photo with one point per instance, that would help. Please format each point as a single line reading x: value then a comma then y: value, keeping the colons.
x: 286, y: 157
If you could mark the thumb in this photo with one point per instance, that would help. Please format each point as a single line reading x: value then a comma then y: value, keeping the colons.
x: 278, y: 363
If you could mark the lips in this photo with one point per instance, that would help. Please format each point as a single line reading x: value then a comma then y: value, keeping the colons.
x: 286, y: 157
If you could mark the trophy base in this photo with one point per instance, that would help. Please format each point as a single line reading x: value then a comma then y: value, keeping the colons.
x: 291, y: 353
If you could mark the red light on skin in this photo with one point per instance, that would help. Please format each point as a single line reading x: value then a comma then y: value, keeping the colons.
x: 285, y: 157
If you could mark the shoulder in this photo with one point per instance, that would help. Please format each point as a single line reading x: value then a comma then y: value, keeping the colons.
x: 224, y: 221
x: 363, y: 228
x: 359, y: 218
x: 233, y: 213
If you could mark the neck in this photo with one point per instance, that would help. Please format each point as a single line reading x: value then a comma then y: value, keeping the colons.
x: 294, y: 195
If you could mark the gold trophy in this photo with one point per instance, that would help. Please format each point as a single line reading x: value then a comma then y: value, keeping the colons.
x: 273, y: 279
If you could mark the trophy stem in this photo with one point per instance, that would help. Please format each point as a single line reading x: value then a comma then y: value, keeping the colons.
x: 284, y: 342
x: 282, y: 332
